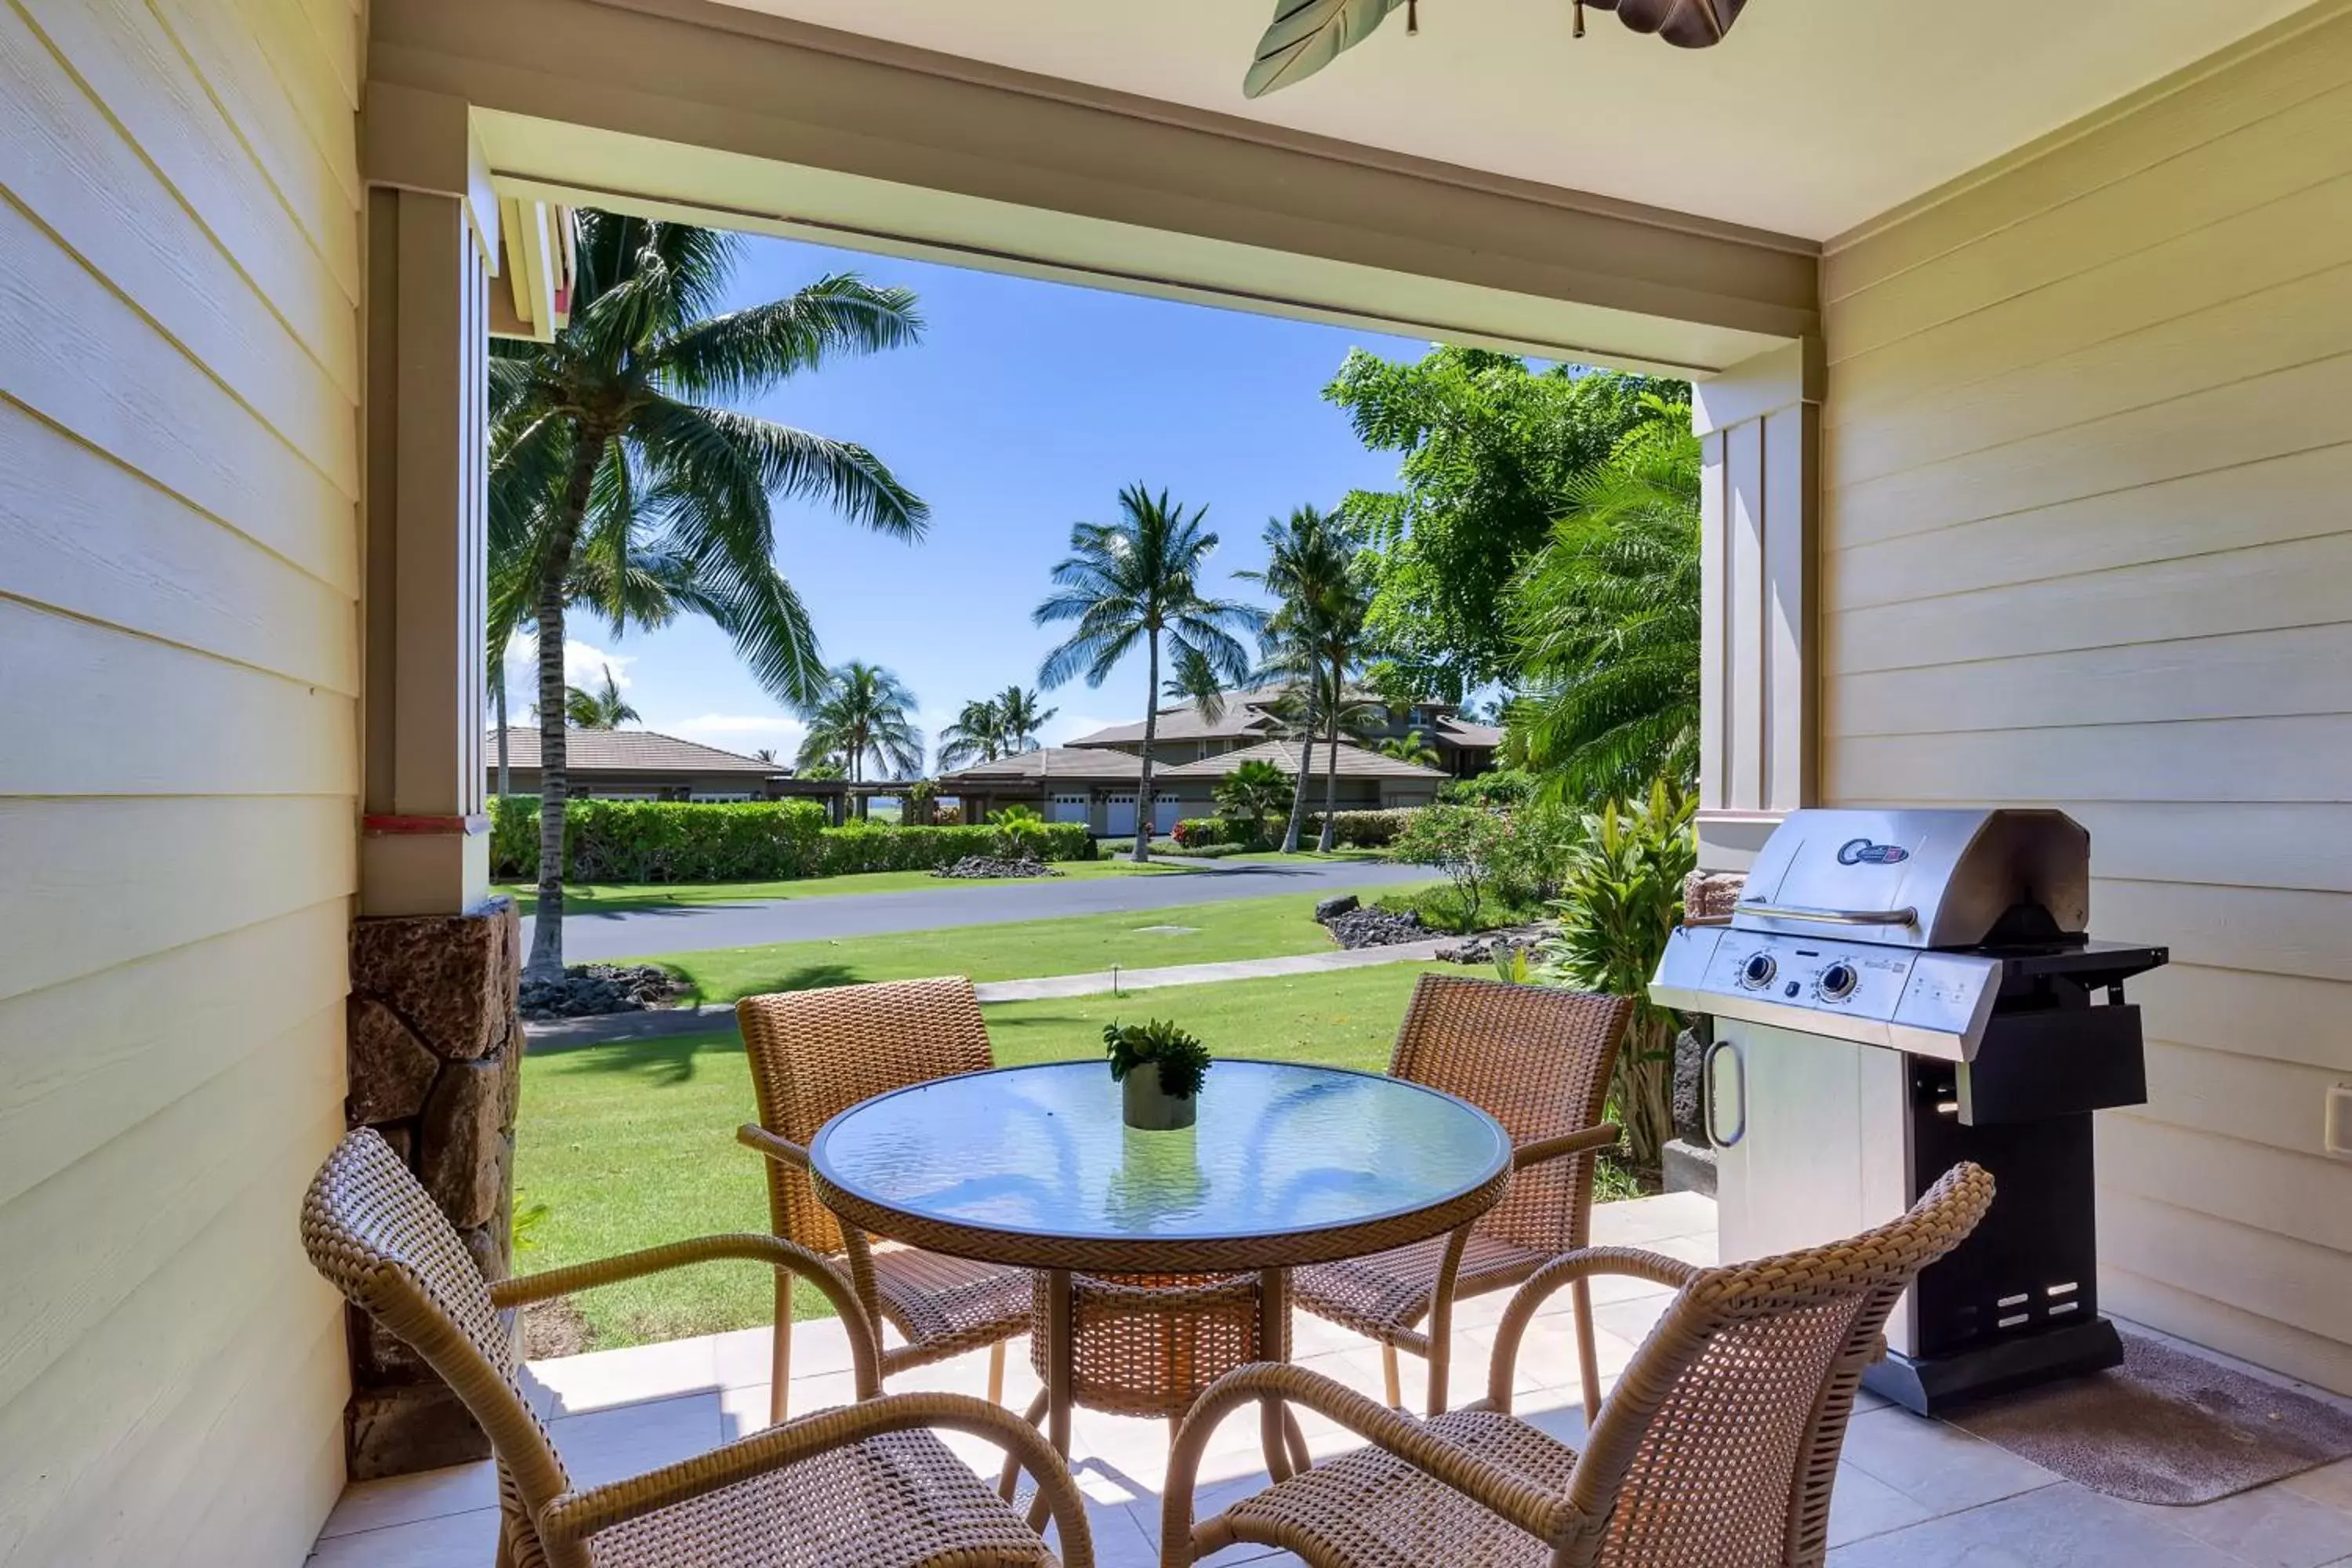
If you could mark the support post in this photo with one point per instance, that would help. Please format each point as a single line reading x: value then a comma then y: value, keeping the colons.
x: 435, y: 1048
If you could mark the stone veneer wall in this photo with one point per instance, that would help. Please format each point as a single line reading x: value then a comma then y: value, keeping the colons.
x: 436, y: 1061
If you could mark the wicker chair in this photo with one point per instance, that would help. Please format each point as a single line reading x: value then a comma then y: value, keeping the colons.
x: 1719, y: 1447
x: 1537, y: 1059
x: 864, y: 1484
x: 815, y: 1054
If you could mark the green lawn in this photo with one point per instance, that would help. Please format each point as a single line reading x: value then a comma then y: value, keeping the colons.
x: 606, y: 897
x: 627, y: 1146
x: 1202, y: 933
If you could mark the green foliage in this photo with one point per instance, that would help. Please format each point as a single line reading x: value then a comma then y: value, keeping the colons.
x: 1126, y: 585
x: 1365, y: 829
x: 677, y: 841
x: 1198, y: 851
x: 860, y: 717
x: 1490, y: 446
x: 1608, y: 617
x: 1496, y: 787
x: 1413, y: 746
x: 625, y: 478
x: 1442, y: 909
x: 1020, y: 830
x: 1204, y: 833
x: 994, y: 727
x: 1182, y: 1060
x: 603, y: 709
x: 1467, y: 845
x: 1620, y: 902
x: 1251, y: 795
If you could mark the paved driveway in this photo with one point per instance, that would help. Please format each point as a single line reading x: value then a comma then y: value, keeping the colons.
x: 696, y: 928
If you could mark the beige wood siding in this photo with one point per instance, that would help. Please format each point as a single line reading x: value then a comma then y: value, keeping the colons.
x: 2086, y: 541
x: 179, y: 668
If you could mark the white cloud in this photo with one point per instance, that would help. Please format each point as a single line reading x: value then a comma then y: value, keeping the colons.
x: 1065, y: 726
x: 584, y: 665
x: 745, y: 733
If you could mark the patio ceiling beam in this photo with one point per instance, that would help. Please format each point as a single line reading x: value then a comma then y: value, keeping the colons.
x: 693, y: 109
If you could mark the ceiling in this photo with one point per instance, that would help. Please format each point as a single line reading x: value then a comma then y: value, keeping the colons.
x: 1811, y: 118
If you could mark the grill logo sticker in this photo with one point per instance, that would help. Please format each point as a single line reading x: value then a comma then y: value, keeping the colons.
x: 1863, y: 852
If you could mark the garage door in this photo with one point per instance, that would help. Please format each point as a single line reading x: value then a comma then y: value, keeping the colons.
x: 1165, y: 811
x: 1123, y: 815
x: 1067, y: 808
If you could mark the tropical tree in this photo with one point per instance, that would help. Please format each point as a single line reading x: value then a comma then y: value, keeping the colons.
x: 1489, y: 445
x: 615, y: 471
x: 975, y: 735
x: 1307, y: 558
x: 603, y: 709
x: 1196, y: 684
x: 765, y: 754
x: 861, y: 716
x: 1411, y: 746
x: 1338, y: 643
x: 1020, y: 717
x: 1251, y: 794
x: 1609, y: 618
x: 1129, y: 584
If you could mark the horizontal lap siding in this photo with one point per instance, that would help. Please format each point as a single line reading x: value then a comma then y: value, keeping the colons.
x: 2086, y: 542
x: 179, y: 667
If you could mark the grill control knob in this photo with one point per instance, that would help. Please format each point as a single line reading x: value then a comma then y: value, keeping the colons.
x: 1757, y: 971
x: 1836, y: 983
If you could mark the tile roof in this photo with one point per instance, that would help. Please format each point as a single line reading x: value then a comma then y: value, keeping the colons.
x: 1355, y: 763
x: 1076, y: 766
x: 1462, y: 732
x: 628, y: 751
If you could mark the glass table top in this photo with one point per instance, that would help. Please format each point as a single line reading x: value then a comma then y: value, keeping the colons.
x: 1278, y: 1150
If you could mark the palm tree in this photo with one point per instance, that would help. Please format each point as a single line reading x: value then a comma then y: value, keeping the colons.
x: 1195, y: 684
x: 1020, y: 718
x: 1608, y: 616
x: 765, y: 754
x: 604, y: 708
x: 614, y: 472
x: 1411, y: 746
x: 1307, y: 560
x: 861, y: 716
x: 1135, y: 581
x: 976, y: 734
x: 1250, y: 794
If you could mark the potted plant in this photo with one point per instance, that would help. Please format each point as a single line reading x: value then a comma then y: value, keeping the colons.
x: 1161, y: 1069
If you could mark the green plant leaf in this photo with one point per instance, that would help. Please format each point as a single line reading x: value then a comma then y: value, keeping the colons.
x: 1307, y: 35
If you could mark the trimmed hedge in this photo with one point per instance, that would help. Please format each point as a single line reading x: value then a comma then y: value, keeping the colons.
x: 759, y: 841
x: 1358, y: 829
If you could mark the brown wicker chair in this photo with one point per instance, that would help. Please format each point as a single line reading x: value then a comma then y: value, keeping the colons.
x: 815, y: 1054
x: 1719, y: 1447
x: 864, y: 1484
x: 1537, y: 1059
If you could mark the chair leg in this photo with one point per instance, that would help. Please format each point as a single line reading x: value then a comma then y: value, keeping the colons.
x: 1390, y: 1378
x: 1009, y: 1481
x: 1588, y: 1357
x: 996, y: 1373
x: 780, y: 1367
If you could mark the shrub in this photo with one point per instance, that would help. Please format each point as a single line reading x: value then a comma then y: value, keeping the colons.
x: 1468, y: 845
x: 1442, y: 909
x: 1500, y: 787
x: 679, y: 841
x: 1620, y: 900
x: 1202, y: 832
x: 1197, y: 852
x: 1252, y: 795
x: 1361, y: 829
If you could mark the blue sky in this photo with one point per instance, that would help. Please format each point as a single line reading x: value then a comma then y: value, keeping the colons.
x: 1025, y: 408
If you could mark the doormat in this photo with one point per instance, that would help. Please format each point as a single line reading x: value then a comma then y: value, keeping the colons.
x: 2168, y: 1426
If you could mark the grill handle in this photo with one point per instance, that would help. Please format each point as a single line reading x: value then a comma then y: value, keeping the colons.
x: 1906, y: 916
x: 1707, y: 1093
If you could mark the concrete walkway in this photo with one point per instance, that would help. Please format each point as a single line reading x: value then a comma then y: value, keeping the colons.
x: 672, y: 1022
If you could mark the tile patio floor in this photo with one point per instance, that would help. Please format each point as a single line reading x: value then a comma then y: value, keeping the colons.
x: 1910, y: 1494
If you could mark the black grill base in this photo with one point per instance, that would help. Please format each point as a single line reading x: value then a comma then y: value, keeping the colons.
x: 1934, y: 1386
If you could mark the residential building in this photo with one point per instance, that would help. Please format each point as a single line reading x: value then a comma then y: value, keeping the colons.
x: 641, y: 764
x: 2023, y: 341
x: 1098, y: 785
x: 1184, y: 733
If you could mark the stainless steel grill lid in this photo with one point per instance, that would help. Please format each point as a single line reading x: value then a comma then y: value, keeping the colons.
x: 1922, y: 879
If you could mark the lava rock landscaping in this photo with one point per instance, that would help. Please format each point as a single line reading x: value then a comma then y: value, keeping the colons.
x: 588, y: 990
x: 1361, y: 927
x: 986, y: 868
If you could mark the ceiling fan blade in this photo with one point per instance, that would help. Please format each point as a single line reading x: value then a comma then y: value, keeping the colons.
x: 1687, y: 24
x: 1307, y: 35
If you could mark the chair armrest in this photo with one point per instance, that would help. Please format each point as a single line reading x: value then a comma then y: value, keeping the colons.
x: 1589, y: 1140
x: 1565, y: 1269
x: 772, y: 1250
x: 571, y: 1520
x: 783, y: 1150
x: 1534, y: 1509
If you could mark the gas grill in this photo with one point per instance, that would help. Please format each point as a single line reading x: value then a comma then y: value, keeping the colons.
x: 1896, y: 992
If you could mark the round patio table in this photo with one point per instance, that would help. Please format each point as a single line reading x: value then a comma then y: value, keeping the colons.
x: 1033, y: 1166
